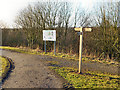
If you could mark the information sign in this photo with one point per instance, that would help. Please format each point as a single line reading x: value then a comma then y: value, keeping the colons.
x: 49, y: 35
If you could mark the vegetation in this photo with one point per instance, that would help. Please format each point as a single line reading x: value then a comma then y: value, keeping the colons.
x: 101, y: 45
x: 107, y: 38
x: 85, y: 80
x: 102, y: 42
x: 5, y: 66
x: 88, y: 79
x: 60, y: 55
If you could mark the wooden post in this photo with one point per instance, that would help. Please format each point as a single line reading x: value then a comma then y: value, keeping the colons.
x: 80, y: 47
x: 45, y: 47
x: 80, y: 51
x: 55, y: 47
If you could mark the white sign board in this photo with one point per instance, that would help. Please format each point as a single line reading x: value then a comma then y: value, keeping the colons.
x: 49, y: 35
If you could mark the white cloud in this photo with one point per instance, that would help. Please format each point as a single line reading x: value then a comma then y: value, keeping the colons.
x: 10, y: 8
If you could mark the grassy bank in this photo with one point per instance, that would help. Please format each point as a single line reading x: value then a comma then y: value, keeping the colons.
x: 5, y: 65
x: 88, y: 79
x: 59, y: 55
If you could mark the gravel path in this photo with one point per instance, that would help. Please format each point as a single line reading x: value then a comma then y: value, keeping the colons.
x: 91, y: 66
x: 32, y: 70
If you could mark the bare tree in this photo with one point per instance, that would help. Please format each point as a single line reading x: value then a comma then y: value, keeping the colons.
x: 108, y: 35
x: 26, y: 21
x: 36, y: 18
x: 82, y: 18
x: 52, y: 15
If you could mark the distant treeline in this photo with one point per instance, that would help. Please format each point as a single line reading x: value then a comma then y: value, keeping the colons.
x: 102, y: 42
x: 92, y: 45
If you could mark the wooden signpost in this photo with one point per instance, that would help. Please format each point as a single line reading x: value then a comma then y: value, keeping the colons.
x: 80, y: 47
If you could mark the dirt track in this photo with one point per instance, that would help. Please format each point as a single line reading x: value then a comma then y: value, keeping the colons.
x: 31, y: 71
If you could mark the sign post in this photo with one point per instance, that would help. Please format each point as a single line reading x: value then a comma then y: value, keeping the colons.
x: 80, y: 47
x: 49, y: 35
x: 45, y: 47
x: 55, y: 47
x: 80, y: 51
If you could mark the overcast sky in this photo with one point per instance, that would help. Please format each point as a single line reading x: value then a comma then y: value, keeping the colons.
x: 9, y: 9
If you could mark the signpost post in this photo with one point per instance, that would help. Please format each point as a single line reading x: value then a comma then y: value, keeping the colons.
x: 80, y: 47
x: 45, y: 47
x: 49, y: 35
x: 54, y: 47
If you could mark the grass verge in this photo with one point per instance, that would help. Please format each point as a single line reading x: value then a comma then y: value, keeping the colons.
x: 34, y: 51
x: 59, y: 55
x: 5, y: 66
x: 88, y: 79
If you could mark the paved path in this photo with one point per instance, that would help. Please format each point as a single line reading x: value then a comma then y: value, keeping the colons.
x: 30, y: 72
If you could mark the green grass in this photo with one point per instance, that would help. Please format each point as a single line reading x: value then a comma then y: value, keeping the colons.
x: 4, y: 67
x: 88, y: 79
x: 17, y: 49
x: 33, y: 51
x: 53, y: 62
